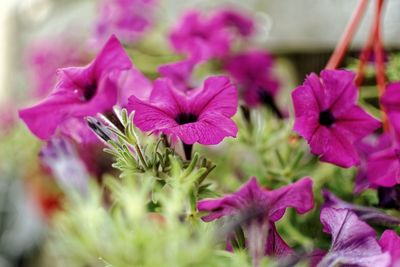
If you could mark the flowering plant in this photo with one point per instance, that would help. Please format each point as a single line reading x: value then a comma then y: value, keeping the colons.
x: 193, y: 159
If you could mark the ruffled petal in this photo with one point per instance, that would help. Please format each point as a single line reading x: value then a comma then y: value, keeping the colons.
x: 298, y: 195
x: 353, y: 241
x: 218, y: 95
x: 149, y: 117
x: 340, y: 90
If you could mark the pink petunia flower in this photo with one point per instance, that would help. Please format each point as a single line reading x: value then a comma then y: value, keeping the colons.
x: 127, y: 19
x: 329, y: 119
x: 201, y: 115
x: 203, y: 38
x: 81, y: 92
x: 253, y: 72
x: 257, y: 209
x: 353, y: 241
x: 390, y: 242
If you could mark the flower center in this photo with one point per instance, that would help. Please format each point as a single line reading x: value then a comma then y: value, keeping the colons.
x: 89, y: 91
x: 326, y: 118
x: 184, y: 118
x: 267, y: 99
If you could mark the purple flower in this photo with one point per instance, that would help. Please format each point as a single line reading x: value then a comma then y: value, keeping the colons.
x: 364, y: 213
x: 253, y: 72
x: 127, y: 19
x: 67, y: 168
x: 202, y: 115
x: 329, y: 119
x: 208, y: 37
x: 257, y: 209
x: 353, y: 241
x: 390, y: 242
x: 81, y: 92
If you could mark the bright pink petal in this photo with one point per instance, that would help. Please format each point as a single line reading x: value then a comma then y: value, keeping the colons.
x: 150, y: 117
x: 390, y: 242
x: 314, y: 82
x: 179, y: 72
x: 211, y: 129
x: 383, y: 167
x: 340, y: 90
x: 298, y: 195
x: 133, y: 82
x: 218, y: 95
x: 356, y: 123
x: 339, y: 150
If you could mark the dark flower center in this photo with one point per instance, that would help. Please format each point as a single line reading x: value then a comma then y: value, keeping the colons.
x: 89, y: 91
x: 267, y: 99
x: 184, y: 118
x: 326, y: 118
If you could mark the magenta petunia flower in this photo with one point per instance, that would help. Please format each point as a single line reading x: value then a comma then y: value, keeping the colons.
x: 329, y: 119
x: 390, y: 242
x: 202, y: 37
x: 353, y: 241
x: 81, y: 92
x: 257, y: 209
x: 127, y: 19
x: 201, y: 115
x: 253, y: 72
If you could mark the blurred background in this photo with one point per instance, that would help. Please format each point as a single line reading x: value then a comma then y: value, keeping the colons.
x: 301, y: 34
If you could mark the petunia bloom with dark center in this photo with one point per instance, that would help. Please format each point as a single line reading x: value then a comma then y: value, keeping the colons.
x: 89, y: 91
x: 328, y: 117
x: 85, y: 91
x: 253, y: 71
x: 201, y: 115
x: 184, y: 118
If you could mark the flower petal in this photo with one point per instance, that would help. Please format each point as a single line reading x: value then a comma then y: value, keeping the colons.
x: 218, y: 95
x: 353, y: 241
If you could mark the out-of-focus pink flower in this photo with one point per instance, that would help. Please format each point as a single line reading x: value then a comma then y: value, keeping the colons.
x: 201, y: 37
x: 81, y: 92
x: 390, y: 242
x: 179, y: 73
x: 353, y: 241
x: 44, y: 57
x: 253, y: 72
x: 127, y: 19
x: 328, y: 117
x: 202, y: 115
x: 257, y: 209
